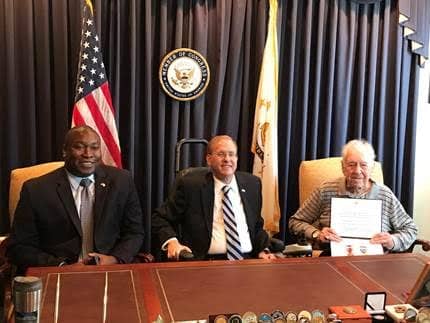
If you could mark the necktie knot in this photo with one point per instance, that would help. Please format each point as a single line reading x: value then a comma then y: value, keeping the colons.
x: 226, y: 189
x: 85, y: 182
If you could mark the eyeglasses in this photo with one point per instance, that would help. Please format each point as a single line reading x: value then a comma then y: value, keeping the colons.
x: 222, y: 154
x: 352, y: 165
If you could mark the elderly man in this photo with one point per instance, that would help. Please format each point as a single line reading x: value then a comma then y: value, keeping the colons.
x: 218, y: 211
x: 81, y: 213
x: 313, y: 218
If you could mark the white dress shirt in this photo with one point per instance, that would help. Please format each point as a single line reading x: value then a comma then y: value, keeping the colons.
x: 77, y: 189
x: 218, y: 242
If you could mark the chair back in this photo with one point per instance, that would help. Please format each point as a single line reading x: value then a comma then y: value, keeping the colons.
x: 312, y: 173
x: 19, y: 175
x: 191, y: 170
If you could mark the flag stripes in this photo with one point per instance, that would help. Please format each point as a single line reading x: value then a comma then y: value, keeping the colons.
x: 93, y: 103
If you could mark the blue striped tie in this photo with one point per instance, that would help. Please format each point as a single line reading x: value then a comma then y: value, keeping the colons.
x: 234, y: 251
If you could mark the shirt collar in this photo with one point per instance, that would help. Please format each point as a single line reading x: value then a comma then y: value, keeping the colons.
x: 76, y: 180
x: 343, y: 192
x: 220, y: 184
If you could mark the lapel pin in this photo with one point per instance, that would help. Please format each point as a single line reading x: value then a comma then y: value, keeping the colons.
x: 102, y: 184
x: 243, y: 190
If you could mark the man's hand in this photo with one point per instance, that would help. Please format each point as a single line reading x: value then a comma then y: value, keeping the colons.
x: 101, y: 259
x: 328, y: 234
x: 266, y: 255
x: 174, y: 248
x: 383, y: 238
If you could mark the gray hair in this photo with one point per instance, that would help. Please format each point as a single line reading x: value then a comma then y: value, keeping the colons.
x: 362, y: 146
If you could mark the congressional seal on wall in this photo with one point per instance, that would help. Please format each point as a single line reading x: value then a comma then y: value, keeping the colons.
x: 184, y: 74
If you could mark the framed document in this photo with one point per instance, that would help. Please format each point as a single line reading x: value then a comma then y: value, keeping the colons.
x: 420, y: 294
x: 355, y: 221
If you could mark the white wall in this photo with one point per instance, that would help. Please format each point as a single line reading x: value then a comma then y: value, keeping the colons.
x: 422, y: 159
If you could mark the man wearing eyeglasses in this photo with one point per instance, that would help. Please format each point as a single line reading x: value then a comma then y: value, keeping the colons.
x: 313, y: 218
x: 218, y: 211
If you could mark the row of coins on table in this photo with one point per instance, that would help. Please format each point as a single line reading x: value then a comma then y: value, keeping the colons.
x: 276, y: 316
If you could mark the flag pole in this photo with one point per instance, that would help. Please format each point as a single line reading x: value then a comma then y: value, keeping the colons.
x: 265, y: 135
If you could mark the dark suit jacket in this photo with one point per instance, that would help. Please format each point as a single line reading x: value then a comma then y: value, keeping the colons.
x: 190, y: 206
x: 47, y: 230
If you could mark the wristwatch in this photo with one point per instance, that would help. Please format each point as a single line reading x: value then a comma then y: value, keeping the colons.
x: 316, y: 234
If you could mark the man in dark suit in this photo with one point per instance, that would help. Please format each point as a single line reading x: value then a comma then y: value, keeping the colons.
x: 196, y: 206
x: 47, y: 228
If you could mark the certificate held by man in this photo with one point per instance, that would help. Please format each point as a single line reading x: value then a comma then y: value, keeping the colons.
x: 356, y: 221
x: 371, y: 211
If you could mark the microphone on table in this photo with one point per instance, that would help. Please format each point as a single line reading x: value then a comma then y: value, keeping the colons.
x: 276, y: 245
x: 185, y: 255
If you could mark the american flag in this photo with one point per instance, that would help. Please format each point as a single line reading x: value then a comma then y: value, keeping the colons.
x: 93, y: 102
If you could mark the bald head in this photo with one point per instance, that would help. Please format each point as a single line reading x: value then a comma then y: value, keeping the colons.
x: 77, y: 131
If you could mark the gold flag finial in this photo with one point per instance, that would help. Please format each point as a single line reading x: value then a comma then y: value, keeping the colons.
x: 90, y: 5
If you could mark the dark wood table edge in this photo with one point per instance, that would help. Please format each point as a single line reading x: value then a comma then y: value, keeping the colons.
x: 146, y: 272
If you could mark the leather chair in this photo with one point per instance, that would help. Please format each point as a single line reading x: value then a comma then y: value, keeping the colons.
x: 312, y: 173
x: 17, y: 178
x: 19, y: 175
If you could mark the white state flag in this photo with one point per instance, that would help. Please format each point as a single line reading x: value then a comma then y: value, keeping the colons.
x: 265, y: 136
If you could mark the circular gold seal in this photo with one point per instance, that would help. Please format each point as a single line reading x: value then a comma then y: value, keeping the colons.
x: 349, y: 310
x: 220, y: 319
x: 291, y: 317
x: 184, y: 74
x: 249, y: 317
x: 305, y: 314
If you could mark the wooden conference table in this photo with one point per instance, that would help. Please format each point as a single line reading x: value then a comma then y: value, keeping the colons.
x: 181, y: 291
